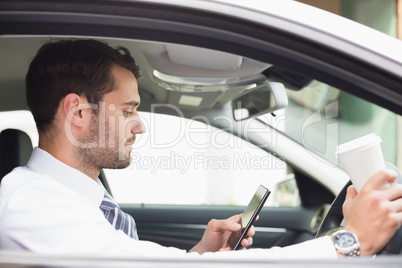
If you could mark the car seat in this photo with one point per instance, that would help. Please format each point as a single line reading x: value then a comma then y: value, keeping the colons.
x: 15, y: 150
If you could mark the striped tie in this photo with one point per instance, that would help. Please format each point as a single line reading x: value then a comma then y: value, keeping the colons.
x: 117, y: 218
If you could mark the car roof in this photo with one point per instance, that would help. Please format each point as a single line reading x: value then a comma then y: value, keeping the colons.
x: 306, y: 21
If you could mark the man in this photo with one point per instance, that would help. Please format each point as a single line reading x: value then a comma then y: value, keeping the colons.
x: 84, y: 98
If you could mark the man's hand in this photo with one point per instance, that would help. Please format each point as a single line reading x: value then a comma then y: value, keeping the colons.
x: 220, y: 234
x: 374, y: 214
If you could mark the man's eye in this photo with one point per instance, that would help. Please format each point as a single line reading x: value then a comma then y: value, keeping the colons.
x: 127, y: 113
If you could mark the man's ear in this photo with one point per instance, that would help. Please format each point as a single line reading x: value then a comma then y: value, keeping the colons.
x: 73, y: 108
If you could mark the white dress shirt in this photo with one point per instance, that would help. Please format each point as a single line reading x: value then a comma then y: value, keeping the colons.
x: 49, y: 207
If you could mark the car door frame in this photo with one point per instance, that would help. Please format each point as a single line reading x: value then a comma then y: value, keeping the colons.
x: 158, y: 21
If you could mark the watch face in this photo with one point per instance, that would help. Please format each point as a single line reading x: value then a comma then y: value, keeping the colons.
x: 346, y: 243
x: 344, y: 240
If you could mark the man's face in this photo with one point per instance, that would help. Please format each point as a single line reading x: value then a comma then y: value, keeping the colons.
x: 113, y: 129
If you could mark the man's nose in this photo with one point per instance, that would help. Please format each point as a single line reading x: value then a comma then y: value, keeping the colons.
x: 138, y: 126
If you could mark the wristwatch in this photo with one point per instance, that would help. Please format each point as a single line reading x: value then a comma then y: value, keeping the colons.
x: 346, y: 243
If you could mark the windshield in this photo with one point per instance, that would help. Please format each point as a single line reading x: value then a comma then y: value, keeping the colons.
x: 319, y: 108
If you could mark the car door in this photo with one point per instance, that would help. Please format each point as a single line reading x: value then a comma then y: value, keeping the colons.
x: 275, y: 40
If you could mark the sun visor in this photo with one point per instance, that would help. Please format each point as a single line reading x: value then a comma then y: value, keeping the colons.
x: 203, y: 58
x: 195, y: 62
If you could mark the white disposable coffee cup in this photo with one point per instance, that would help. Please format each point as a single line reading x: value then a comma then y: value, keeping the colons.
x: 361, y: 158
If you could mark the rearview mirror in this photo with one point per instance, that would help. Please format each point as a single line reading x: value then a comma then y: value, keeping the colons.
x: 265, y: 98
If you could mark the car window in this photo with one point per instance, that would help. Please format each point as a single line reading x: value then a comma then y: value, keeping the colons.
x: 184, y: 161
x: 320, y: 108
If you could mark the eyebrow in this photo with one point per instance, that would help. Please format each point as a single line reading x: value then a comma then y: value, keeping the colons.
x: 132, y: 103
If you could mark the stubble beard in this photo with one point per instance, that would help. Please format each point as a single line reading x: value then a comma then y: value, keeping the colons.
x: 103, y: 154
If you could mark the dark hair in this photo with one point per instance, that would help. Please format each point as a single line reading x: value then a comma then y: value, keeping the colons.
x: 72, y: 66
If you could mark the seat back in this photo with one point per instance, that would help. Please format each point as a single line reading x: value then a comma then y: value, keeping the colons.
x: 15, y: 150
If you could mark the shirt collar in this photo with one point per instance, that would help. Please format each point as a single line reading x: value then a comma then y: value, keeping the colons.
x: 43, y: 162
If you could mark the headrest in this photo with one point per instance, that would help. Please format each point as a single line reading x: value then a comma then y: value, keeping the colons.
x: 15, y: 150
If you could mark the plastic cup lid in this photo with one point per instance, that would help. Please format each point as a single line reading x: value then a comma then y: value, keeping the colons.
x: 359, y: 144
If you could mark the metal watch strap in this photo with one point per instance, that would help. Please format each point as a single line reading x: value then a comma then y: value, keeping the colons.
x: 350, y: 251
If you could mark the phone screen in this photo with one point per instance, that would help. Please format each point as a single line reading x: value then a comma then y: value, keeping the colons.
x: 252, y: 211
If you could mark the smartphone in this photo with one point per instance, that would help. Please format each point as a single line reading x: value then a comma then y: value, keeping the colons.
x: 251, y: 212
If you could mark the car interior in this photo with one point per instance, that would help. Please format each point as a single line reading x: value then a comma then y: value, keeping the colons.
x: 287, y: 98
x: 197, y: 82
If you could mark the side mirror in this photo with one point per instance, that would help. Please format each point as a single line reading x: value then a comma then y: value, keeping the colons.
x: 265, y: 98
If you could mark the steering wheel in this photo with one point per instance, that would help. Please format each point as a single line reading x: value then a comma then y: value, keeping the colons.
x: 334, y: 218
